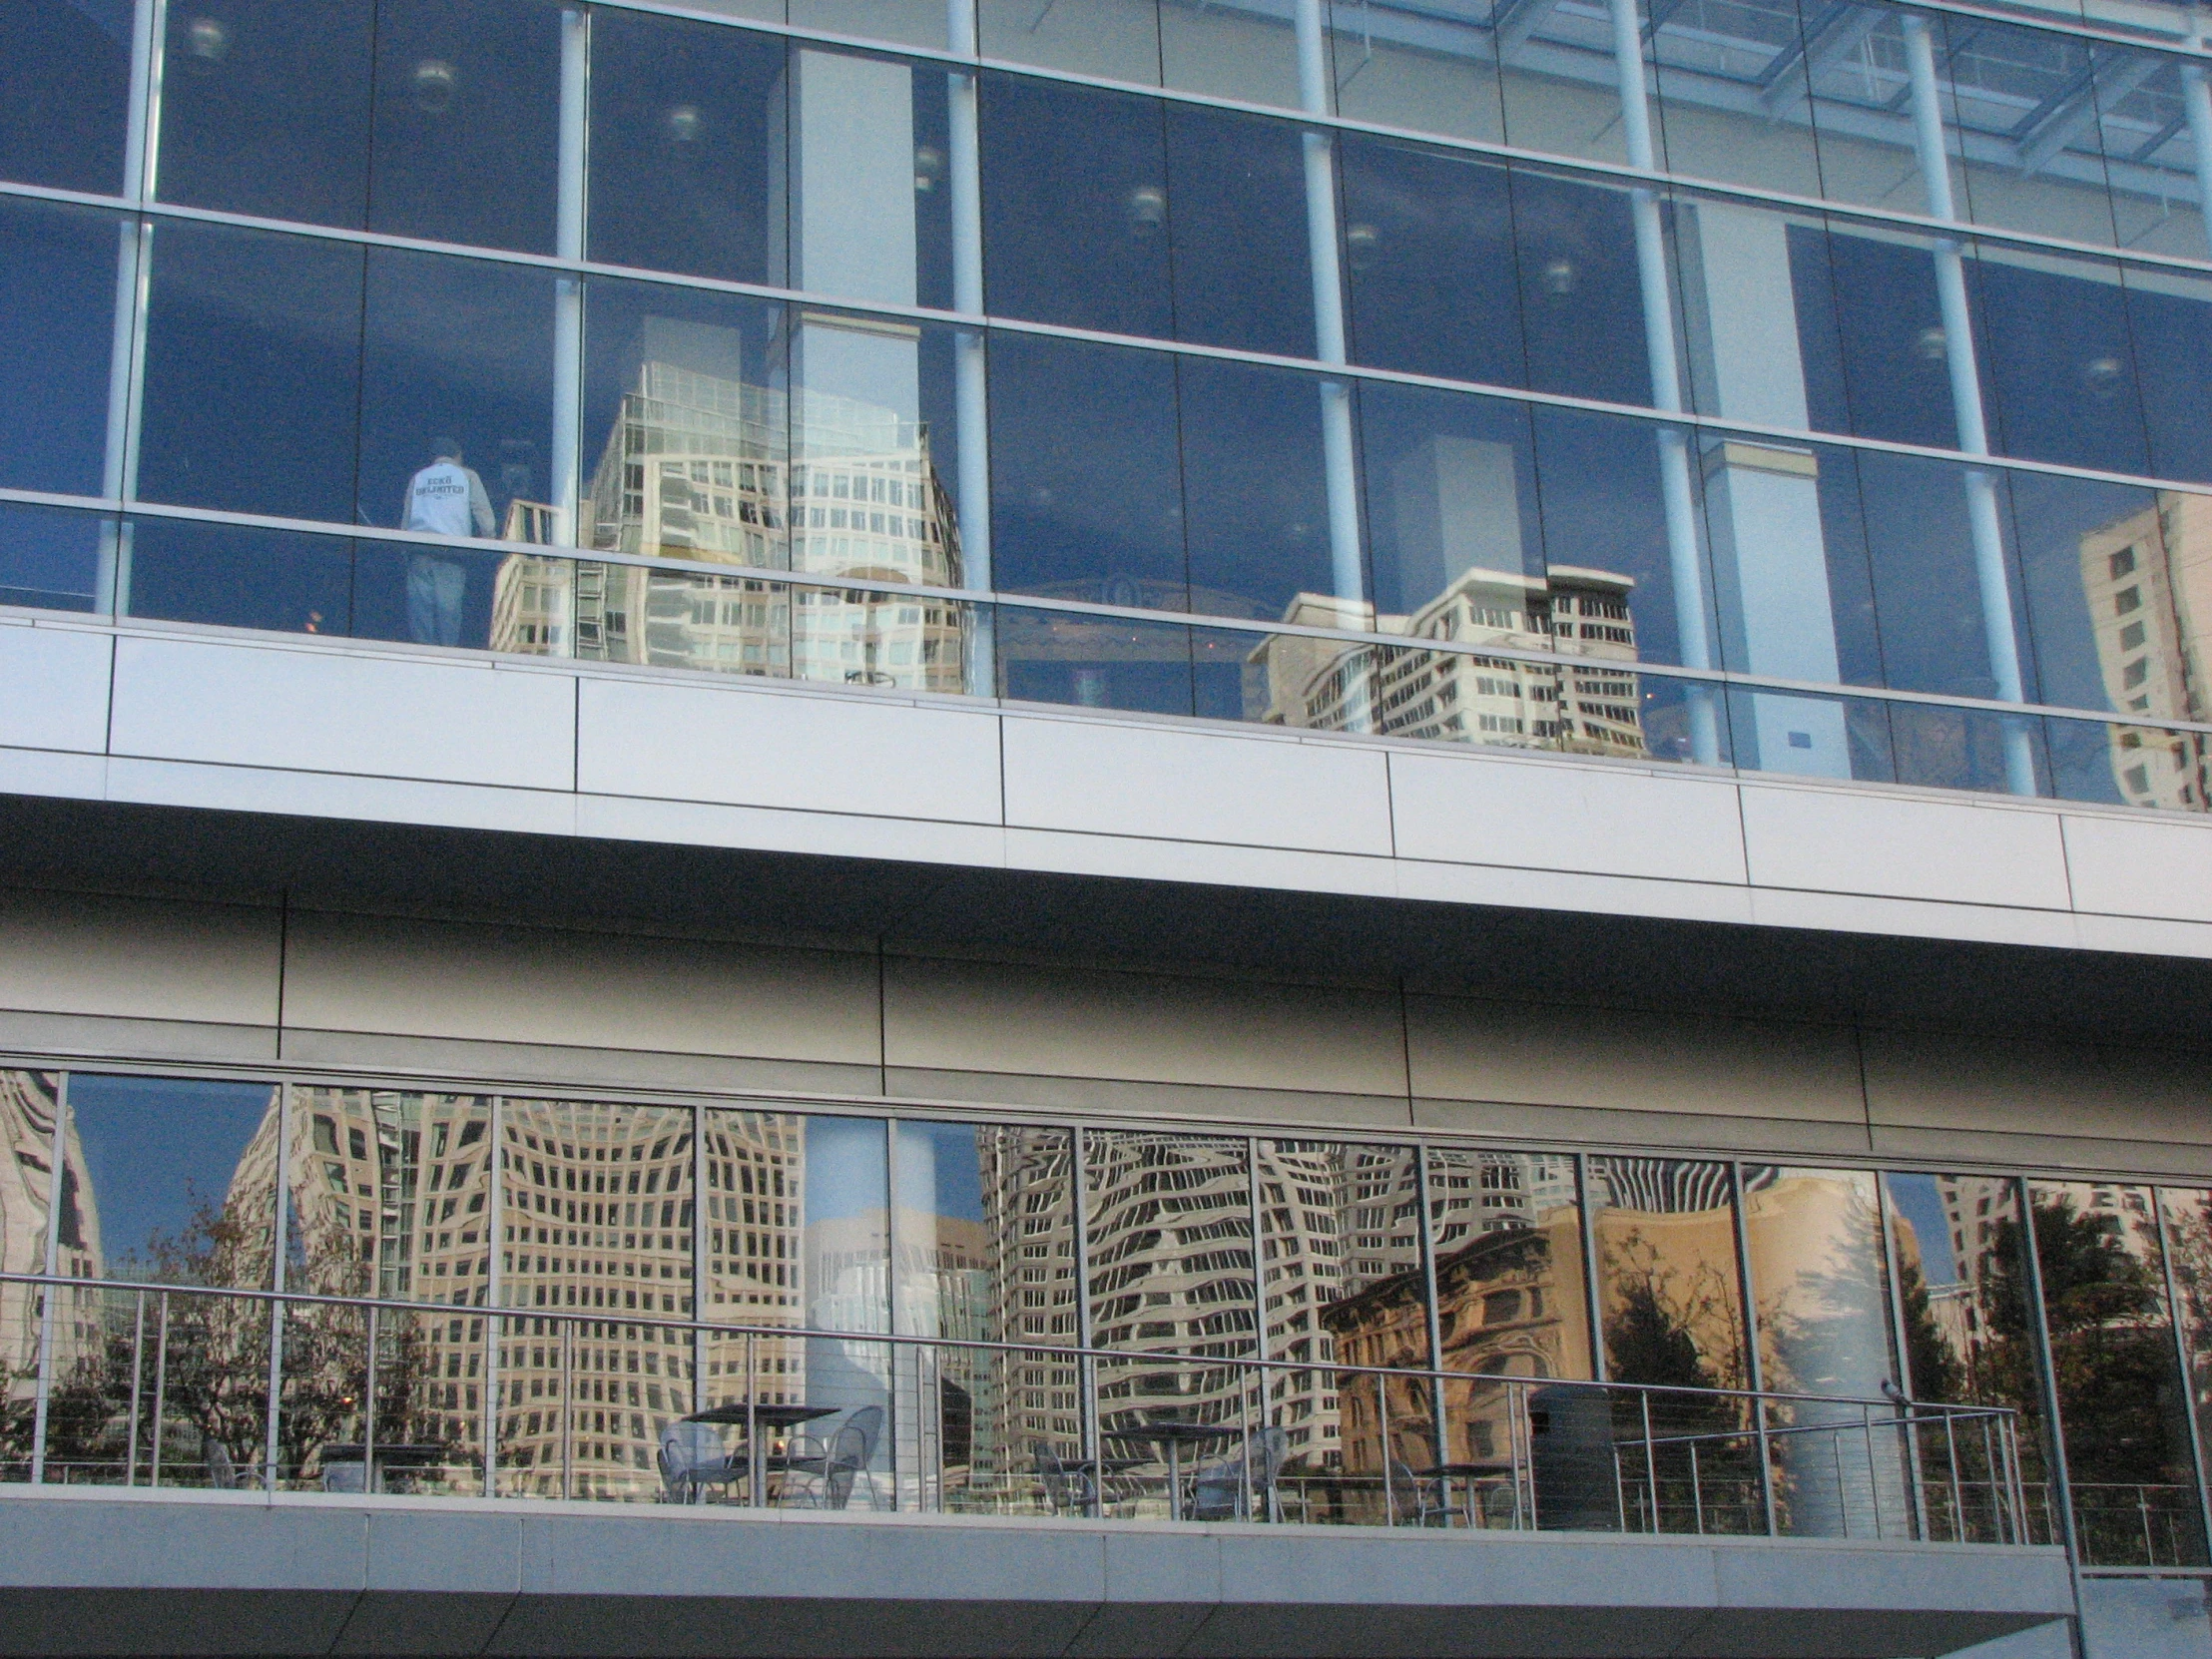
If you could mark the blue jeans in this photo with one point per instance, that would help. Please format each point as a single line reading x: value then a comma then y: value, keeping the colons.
x: 435, y: 589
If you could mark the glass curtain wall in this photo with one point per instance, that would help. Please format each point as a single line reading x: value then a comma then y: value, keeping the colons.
x: 537, y: 1319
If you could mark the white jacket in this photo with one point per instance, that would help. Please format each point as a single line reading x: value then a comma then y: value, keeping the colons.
x: 444, y: 499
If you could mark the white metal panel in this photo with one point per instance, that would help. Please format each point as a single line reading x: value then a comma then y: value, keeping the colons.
x: 576, y: 990
x: 2140, y: 867
x: 57, y: 687
x: 1614, y: 821
x: 766, y: 748
x: 235, y: 788
x: 1838, y: 840
x: 318, y: 709
x: 1179, y: 783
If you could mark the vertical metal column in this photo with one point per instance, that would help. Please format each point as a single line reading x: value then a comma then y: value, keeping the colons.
x: 1338, y: 467
x: 1990, y: 576
x: 971, y: 393
x: 282, y: 1243
x: 2182, y: 1358
x: 494, y: 1398
x: 2046, y: 1374
x: 1751, y: 1343
x: 701, y: 1342
x: 1662, y: 347
x: 568, y: 291
x: 47, y: 1294
x: 1440, y: 1428
x: 1087, y: 1368
x: 2196, y: 99
x: 127, y: 348
x: 1593, y: 1302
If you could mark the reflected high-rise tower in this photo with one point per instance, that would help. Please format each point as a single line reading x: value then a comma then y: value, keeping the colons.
x: 2147, y: 579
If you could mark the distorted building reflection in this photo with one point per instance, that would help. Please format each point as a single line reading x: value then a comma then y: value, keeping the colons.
x: 2147, y: 580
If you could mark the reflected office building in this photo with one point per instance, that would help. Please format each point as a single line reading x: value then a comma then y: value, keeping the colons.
x: 2149, y: 583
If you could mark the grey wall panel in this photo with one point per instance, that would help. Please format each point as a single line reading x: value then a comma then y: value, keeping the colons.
x: 573, y: 989
x: 1733, y: 1136
x: 1855, y: 841
x: 138, y: 959
x: 1491, y: 809
x: 762, y: 746
x: 1181, y: 784
x: 338, y: 794
x: 548, y: 1067
x: 1068, y: 1022
x: 2135, y: 867
x: 1109, y: 1097
x: 465, y: 721
x: 1994, y: 1148
x: 1937, y: 1080
x: 1624, y: 1060
x: 57, y: 679
x: 103, y: 1038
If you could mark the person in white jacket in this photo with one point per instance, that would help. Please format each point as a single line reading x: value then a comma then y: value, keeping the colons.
x: 446, y: 498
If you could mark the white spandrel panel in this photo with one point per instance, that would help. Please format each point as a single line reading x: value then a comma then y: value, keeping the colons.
x: 2134, y: 868
x: 769, y: 748
x: 57, y: 689
x: 1176, y: 783
x: 315, y: 709
x: 1478, y: 809
x: 1958, y: 852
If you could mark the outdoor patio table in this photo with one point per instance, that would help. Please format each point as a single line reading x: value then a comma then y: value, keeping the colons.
x: 1174, y: 1434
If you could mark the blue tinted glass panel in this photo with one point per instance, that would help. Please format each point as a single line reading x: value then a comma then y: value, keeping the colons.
x: 65, y: 82
x: 431, y: 594
x: 685, y: 128
x: 252, y: 393
x: 228, y: 576
x: 2171, y: 320
x: 1432, y: 283
x: 1888, y: 375
x: 1921, y: 564
x: 1254, y: 496
x: 1086, y: 482
x: 2101, y: 606
x: 266, y: 108
x: 170, y: 1189
x: 2059, y: 363
x: 1075, y: 207
x: 457, y: 365
x: 1451, y: 491
x: 1237, y: 192
x: 1583, y: 309
x: 57, y: 333
x: 1096, y: 662
x: 50, y: 557
x: 467, y: 122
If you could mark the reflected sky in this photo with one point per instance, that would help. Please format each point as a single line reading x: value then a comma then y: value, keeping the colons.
x: 157, y: 1149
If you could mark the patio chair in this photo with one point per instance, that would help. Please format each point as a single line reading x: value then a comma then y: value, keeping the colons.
x: 1067, y: 1487
x: 223, y: 1474
x: 349, y: 1476
x: 691, y: 1459
x: 1218, y: 1490
x: 845, y: 1459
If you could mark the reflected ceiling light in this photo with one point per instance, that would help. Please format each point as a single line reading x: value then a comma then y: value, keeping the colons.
x: 435, y: 82
x: 1559, y: 277
x: 682, y: 122
x: 1359, y: 245
x: 2102, y: 378
x: 1148, y: 208
x: 207, y: 43
x: 1933, y: 343
x: 928, y: 167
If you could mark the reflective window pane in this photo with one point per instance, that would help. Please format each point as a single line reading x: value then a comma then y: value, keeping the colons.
x: 1703, y: 59
x: 1170, y: 1238
x: 1430, y: 70
x: 1237, y: 211
x: 1117, y: 40
x: 58, y: 295
x: 2060, y: 366
x: 596, y: 1217
x: 1582, y: 308
x: 1668, y: 1289
x: 267, y: 107
x: 1820, y: 1284
x: 51, y: 558
x: 2170, y: 319
x: 2186, y: 1215
x: 65, y: 82
x: 1963, y: 1303
x: 1248, y: 53
x: 2123, y: 1409
x: 29, y: 1109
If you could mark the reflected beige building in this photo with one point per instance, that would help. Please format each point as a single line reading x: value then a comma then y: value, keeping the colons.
x: 2147, y: 580
x: 1389, y: 689
x: 28, y: 1109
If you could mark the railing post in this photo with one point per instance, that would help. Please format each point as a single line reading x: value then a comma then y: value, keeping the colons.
x: 1651, y: 1461
x: 160, y: 1393
x: 1957, y: 1490
x: 368, y: 1408
x: 138, y: 1369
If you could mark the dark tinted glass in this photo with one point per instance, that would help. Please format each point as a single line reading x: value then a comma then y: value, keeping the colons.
x: 1075, y: 207
x: 1431, y: 280
x: 1236, y: 191
x: 683, y: 142
x: 2060, y: 365
x: 51, y: 558
x: 266, y: 108
x: 1086, y: 482
x: 251, y: 393
x: 57, y: 332
x: 65, y: 82
x: 1582, y: 306
x: 228, y: 576
x: 1451, y: 485
x: 1872, y: 329
x: 1254, y: 490
x: 2171, y: 321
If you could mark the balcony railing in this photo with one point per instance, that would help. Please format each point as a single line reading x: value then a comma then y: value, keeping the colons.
x: 150, y: 1386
